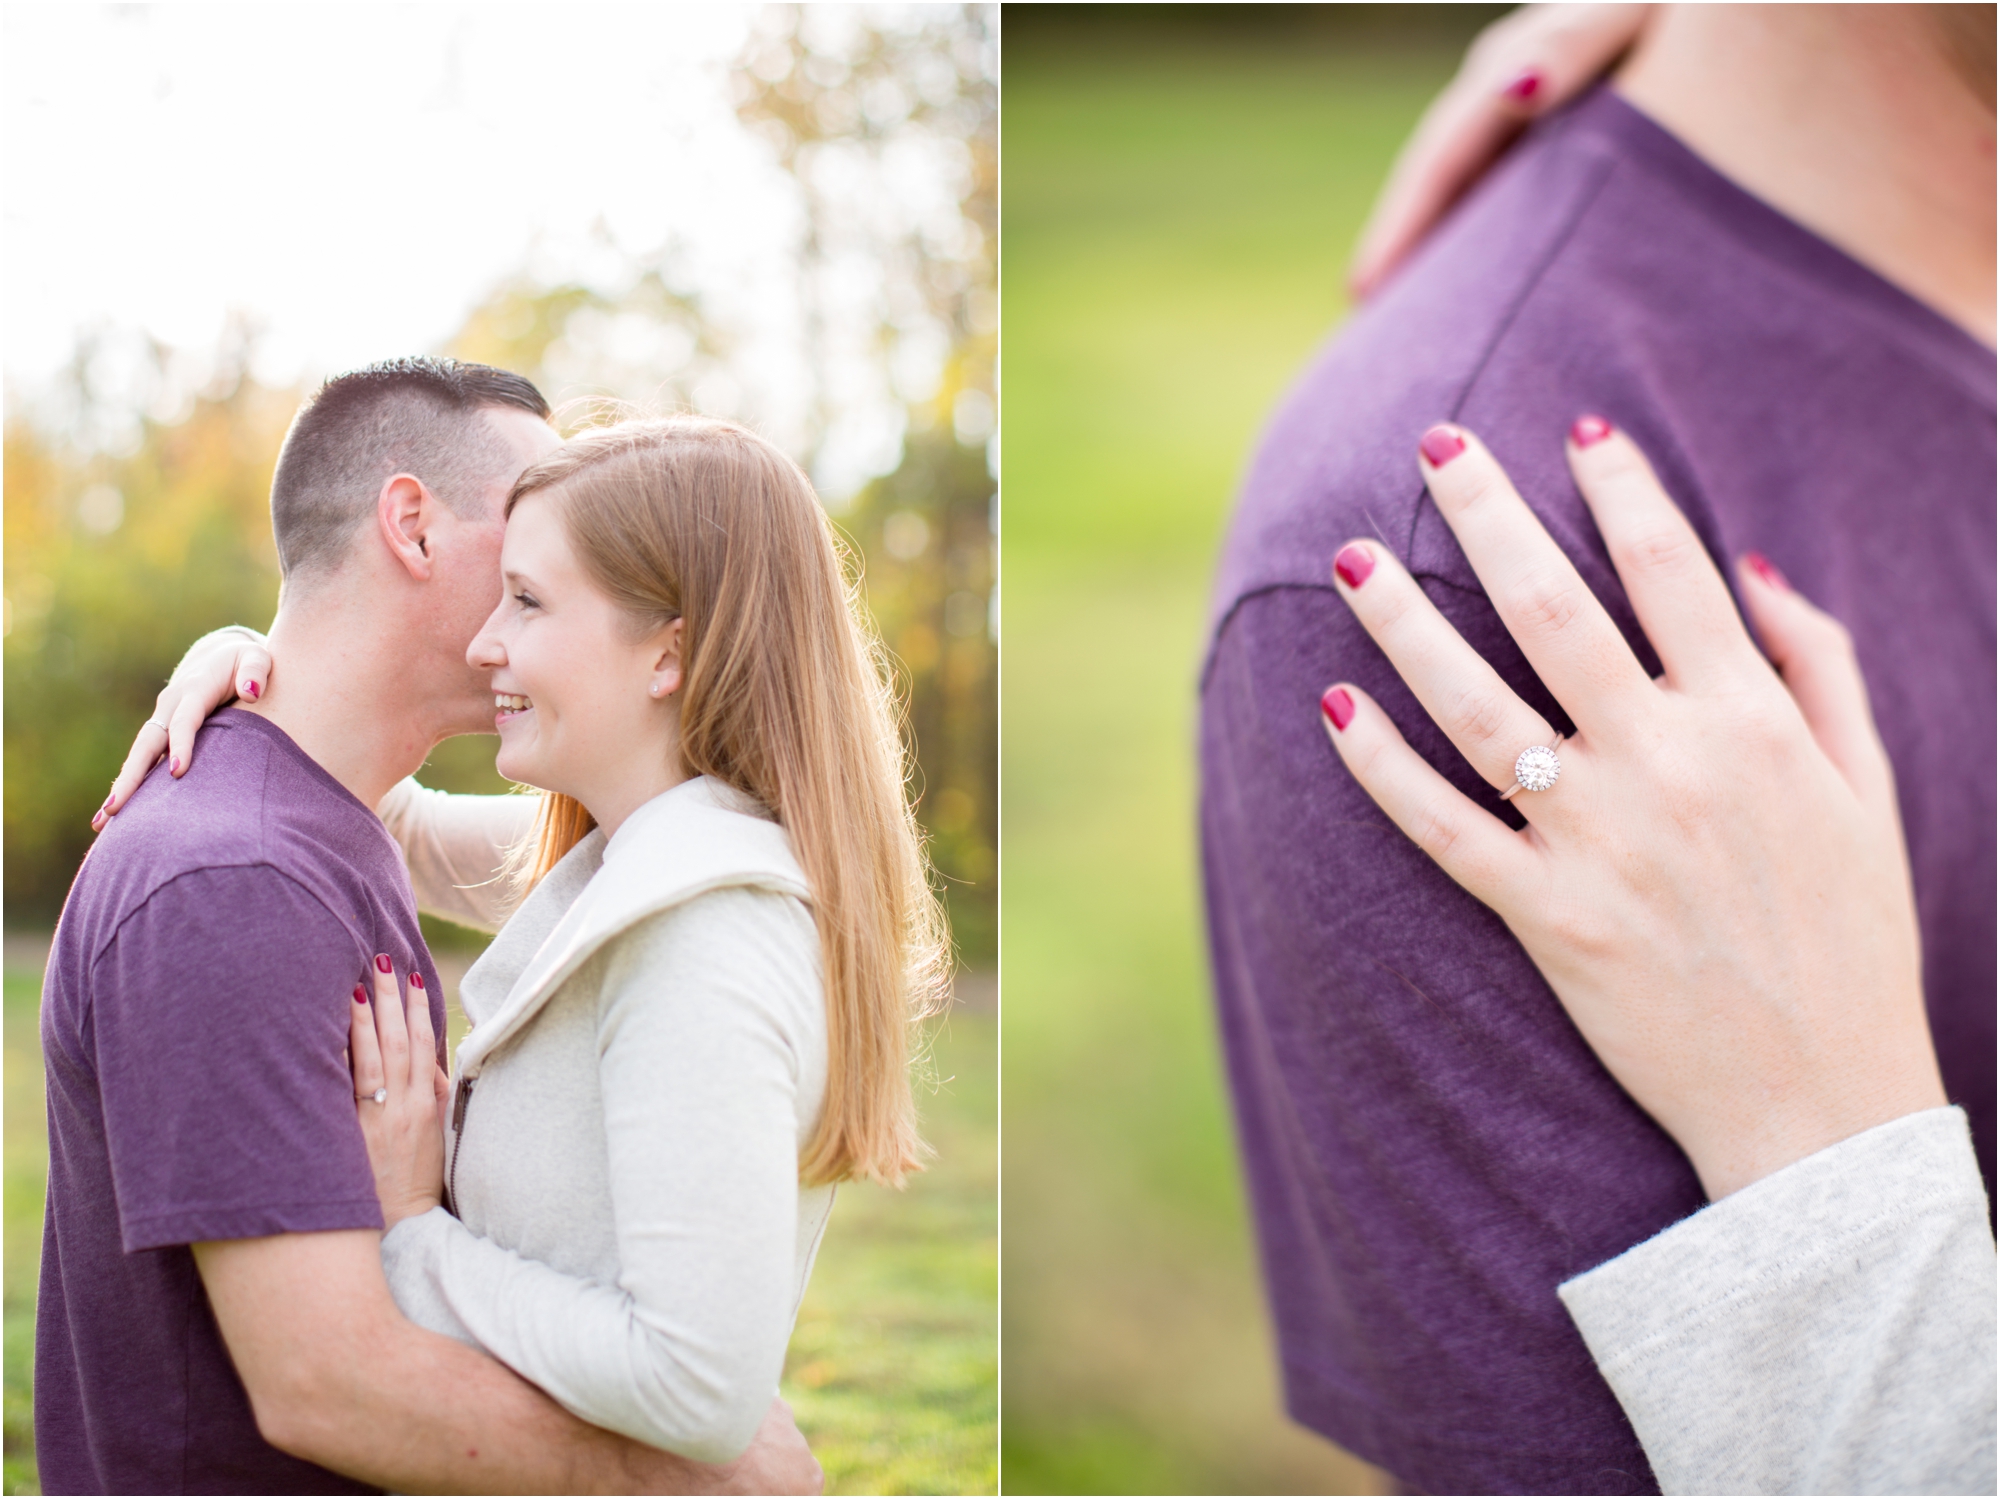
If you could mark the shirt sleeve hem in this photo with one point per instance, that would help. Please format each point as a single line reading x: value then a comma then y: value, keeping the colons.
x: 167, y: 1230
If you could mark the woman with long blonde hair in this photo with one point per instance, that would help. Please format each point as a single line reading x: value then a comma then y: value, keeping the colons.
x: 716, y: 935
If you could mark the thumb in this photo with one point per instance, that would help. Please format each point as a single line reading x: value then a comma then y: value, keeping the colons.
x: 1814, y: 655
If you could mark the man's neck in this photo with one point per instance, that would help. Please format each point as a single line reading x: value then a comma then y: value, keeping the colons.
x: 1856, y: 121
x: 344, y: 695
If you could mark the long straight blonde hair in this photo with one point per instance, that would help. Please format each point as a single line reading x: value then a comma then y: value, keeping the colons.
x: 785, y: 696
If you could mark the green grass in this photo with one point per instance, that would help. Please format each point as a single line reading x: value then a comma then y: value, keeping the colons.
x: 27, y: 1167
x: 1175, y: 226
x: 893, y: 1371
x: 894, y: 1366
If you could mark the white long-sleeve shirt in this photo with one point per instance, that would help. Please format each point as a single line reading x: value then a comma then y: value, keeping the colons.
x: 1827, y: 1330
x: 647, y: 1058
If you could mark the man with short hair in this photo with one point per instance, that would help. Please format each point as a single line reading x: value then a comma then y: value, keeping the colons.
x: 213, y: 1315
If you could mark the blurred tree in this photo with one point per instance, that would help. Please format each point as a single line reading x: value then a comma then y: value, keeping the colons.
x: 115, y: 559
x: 927, y: 531
x: 845, y: 98
x: 848, y: 100
x: 123, y: 547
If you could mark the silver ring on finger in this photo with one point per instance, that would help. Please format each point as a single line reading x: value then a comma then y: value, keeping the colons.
x: 380, y: 1095
x: 156, y: 724
x: 1536, y: 770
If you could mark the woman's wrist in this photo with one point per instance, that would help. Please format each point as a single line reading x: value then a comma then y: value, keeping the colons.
x: 231, y: 632
x: 1782, y: 1135
x: 406, y: 1209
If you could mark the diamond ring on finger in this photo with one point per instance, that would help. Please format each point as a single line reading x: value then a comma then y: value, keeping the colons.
x: 1536, y: 770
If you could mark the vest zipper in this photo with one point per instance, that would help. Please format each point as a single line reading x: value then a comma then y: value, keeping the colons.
x: 457, y: 1139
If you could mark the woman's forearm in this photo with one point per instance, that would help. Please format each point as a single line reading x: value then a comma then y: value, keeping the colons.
x: 457, y: 848
x: 592, y: 1348
x: 704, y: 1015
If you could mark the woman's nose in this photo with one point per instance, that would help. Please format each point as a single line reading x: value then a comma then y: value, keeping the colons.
x: 486, y: 651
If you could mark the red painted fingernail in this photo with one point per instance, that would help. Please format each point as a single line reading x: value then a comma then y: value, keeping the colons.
x: 416, y: 981
x: 109, y: 800
x: 1586, y: 430
x: 1525, y: 87
x: 360, y: 995
x: 97, y: 823
x: 1338, y: 706
x: 250, y: 689
x: 1763, y: 568
x: 1440, y: 445
x: 382, y: 962
x: 1354, y: 564
x: 174, y: 766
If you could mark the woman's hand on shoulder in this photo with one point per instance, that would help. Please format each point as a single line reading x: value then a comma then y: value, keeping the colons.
x: 1522, y: 66
x: 400, y: 1091
x: 222, y: 666
x: 1715, y: 884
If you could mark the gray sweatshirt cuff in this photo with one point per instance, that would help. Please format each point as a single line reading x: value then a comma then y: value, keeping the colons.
x: 411, y: 1252
x: 1829, y: 1329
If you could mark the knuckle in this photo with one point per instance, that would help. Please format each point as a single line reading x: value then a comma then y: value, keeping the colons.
x: 1482, y: 487
x: 1478, y: 720
x: 1757, y: 723
x: 1433, y: 830
x: 1659, y: 549
x: 1621, y: 465
x: 1577, y: 929
x: 1388, y: 613
x: 1374, y: 763
x: 1549, y: 605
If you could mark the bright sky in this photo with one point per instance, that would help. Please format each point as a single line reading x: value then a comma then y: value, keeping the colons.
x: 358, y: 177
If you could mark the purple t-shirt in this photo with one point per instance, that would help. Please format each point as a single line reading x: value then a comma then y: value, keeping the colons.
x: 194, y: 1029
x: 1429, y: 1145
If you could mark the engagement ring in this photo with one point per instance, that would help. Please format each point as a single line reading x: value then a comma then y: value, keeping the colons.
x: 380, y: 1095
x: 1536, y: 770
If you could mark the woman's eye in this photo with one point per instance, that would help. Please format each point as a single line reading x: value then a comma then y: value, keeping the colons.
x: 526, y: 601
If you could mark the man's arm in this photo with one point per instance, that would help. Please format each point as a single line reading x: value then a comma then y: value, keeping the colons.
x: 338, y: 1377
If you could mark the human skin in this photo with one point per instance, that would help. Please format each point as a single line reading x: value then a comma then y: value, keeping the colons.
x: 586, y: 705
x: 388, y: 626
x: 1525, y: 64
x: 593, y: 712
x: 375, y: 676
x: 1715, y: 887
x: 1872, y: 125
x: 375, y: 672
x: 387, y: 1403
x: 401, y: 1091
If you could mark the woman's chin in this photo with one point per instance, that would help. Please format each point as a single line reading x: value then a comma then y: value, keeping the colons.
x: 513, y: 767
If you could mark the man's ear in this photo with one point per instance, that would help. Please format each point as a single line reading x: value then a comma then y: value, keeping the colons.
x: 405, y: 512
x: 667, y: 668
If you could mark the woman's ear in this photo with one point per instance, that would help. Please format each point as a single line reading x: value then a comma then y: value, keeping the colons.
x: 667, y: 663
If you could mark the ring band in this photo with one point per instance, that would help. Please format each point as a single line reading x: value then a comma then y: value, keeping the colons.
x: 380, y: 1095
x: 155, y: 723
x: 1536, y: 770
